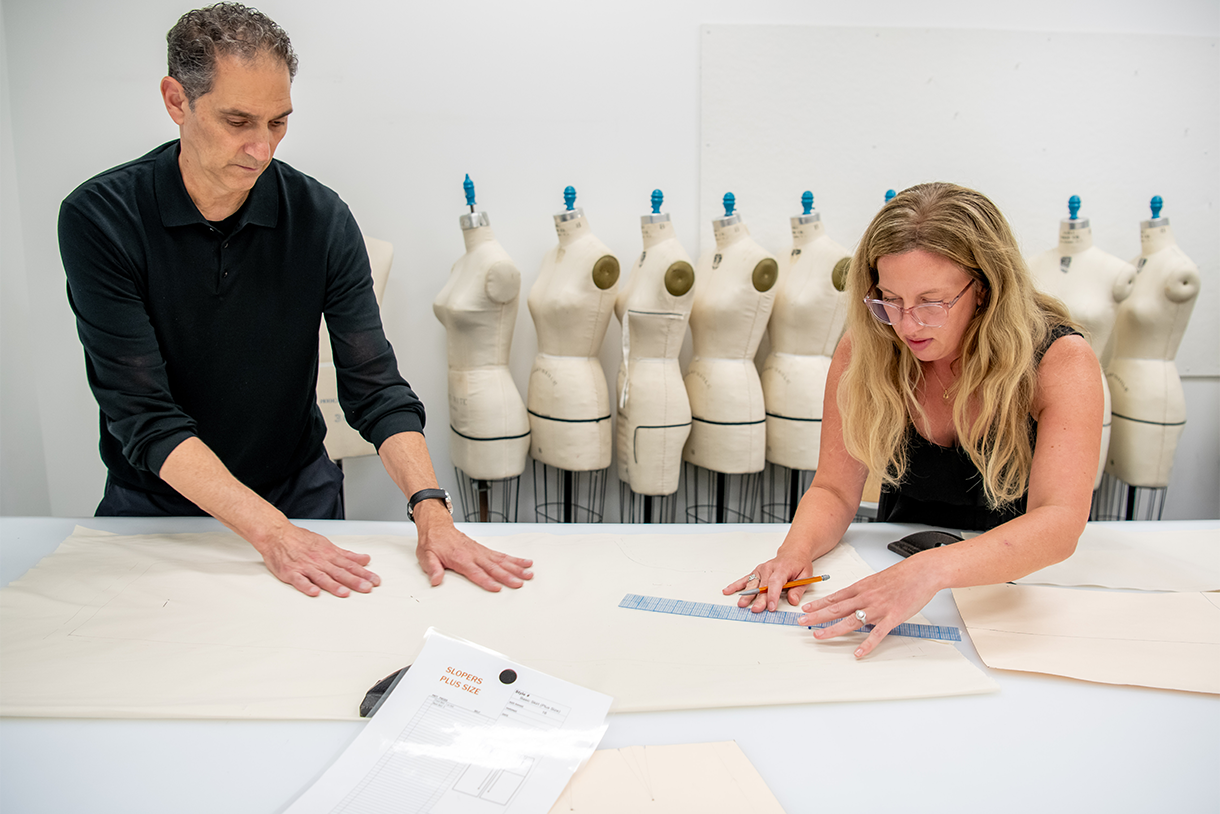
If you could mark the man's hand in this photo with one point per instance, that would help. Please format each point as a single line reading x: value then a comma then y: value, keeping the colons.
x: 306, y: 561
x: 442, y: 546
x: 312, y: 564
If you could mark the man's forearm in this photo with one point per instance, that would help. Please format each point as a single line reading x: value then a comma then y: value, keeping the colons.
x: 406, y: 458
x: 202, y: 478
x: 299, y: 557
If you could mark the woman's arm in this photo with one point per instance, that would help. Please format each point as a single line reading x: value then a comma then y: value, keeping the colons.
x: 826, y: 509
x: 1068, y: 408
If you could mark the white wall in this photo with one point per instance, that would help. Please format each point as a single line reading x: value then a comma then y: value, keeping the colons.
x: 23, y: 482
x: 394, y: 104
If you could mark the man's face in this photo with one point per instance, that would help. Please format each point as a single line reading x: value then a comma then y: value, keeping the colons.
x: 230, y: 135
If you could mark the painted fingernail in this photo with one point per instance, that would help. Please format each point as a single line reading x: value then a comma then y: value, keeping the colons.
x: 860, y: 652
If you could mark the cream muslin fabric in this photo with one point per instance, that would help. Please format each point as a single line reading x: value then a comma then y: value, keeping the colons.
x: 1109, y: 556
x: 193, y: 626
x: 1167, y: 640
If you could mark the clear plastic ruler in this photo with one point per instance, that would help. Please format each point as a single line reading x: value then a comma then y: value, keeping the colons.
x: 732, y: 613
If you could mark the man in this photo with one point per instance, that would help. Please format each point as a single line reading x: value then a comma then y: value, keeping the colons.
x: 199, y: 274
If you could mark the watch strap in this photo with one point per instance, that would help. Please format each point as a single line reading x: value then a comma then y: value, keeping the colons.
x: 428, y: 494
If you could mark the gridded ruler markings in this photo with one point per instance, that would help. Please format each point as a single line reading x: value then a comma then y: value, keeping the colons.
x: 732, y: 613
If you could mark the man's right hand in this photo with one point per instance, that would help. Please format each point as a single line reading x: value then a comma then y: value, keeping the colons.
x: 306, y: 561
x: 311, y: 563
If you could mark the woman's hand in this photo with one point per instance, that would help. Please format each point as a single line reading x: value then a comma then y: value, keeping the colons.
x: 773, y: 573
x: 888, y: 599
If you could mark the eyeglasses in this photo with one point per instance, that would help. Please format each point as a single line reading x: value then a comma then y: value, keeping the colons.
x: 927, y: 314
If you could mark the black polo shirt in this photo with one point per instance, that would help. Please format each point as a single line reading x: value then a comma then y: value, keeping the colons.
x: 194, y: 330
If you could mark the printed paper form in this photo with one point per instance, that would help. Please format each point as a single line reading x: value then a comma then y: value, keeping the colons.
x: 465, y: 732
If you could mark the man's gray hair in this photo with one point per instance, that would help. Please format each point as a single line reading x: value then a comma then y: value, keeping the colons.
x: 225, y: 29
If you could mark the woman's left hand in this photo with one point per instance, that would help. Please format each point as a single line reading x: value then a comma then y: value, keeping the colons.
x: 887, y: 598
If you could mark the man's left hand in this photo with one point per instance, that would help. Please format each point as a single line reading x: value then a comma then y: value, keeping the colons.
x: 441, y: 546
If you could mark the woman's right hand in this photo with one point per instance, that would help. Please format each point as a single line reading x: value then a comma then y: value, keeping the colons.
x: 773, y: 573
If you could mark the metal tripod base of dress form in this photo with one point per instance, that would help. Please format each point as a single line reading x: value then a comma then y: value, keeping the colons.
x: 717, y: 497
x: 564, y: 496
x: 1118, y: 500
x: 488, y: 501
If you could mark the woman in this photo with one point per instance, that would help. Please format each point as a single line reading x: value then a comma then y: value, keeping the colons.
x: 968, y: 392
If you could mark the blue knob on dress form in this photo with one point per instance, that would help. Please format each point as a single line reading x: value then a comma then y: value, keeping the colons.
x: 1157, y: 203
x: 807, y: 201
x: 468, y: 185
x: 889, y: 195
x: 658, y: 198
x: 730, y: 201
x: 569, y: 197
x: 1073, y: 206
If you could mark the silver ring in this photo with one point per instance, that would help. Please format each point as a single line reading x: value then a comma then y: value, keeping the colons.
x: 860, y: 615
x: 752, y: 577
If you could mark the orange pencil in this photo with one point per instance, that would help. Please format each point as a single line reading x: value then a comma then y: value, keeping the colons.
x: 794, y: 584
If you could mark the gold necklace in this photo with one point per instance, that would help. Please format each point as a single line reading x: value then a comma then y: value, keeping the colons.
x: 944, y: 390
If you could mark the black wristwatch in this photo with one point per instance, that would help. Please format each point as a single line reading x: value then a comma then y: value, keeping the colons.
x: 427, y: 494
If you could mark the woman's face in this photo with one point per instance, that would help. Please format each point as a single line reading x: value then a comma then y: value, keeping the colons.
x: 918, y: 277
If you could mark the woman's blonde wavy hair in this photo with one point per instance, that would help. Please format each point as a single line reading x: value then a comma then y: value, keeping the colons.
x: 999, y: 350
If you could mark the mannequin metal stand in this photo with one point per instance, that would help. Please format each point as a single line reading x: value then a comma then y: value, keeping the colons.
x: 564, y: 496
x: 717, y: 497
x: 488, y: 501
x: 1117, y: 500
x: 782, y: 489
x: 637, y: 508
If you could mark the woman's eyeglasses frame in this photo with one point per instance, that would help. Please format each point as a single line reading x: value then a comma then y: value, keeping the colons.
x: 887, y: 313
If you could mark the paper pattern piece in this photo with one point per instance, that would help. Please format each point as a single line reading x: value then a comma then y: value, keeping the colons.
x: 1145, y: 560
x: 466, y: 731
x: 710, y: 778
x: 1167, y: 640
x: 193, y: 626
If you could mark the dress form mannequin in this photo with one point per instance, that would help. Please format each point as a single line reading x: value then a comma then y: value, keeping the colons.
x: 806, y: 323
x: 730, y: 313
x: 1149, y: 405
x: 568, y: 400
x: 489, y: 429
x: 654, y: 305
x: 1091, y: 283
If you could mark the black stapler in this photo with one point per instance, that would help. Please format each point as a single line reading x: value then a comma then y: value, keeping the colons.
x: 922, y: 541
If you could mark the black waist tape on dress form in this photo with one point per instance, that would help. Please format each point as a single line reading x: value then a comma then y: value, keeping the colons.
x: 1154, y: 423
x: 729, y: 423
x: 569, y: 420
x: 497, y: 438
x: 793, y: 418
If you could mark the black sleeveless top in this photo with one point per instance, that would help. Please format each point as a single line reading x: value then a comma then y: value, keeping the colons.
x: 943, y: 487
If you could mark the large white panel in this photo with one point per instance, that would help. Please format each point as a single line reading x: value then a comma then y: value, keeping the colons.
x: 1027, y: 118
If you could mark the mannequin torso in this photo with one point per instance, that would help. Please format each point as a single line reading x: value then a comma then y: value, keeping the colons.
x: 571, y: 302
x: 1149, y: 404
x: 489, y: 434
x: 654, y: 418
x: 729, y: 315
x: 1091, y: 283
x: 806, y: 323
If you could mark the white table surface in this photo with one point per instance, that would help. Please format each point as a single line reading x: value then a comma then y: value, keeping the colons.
x: 1043, y: 743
